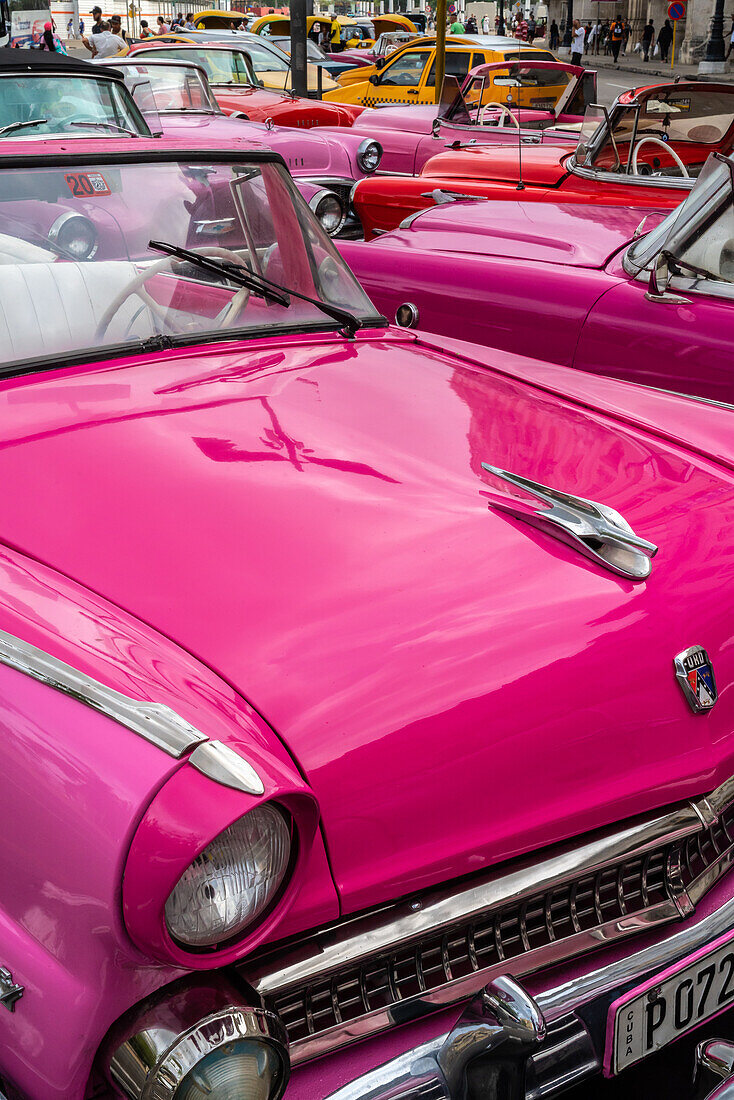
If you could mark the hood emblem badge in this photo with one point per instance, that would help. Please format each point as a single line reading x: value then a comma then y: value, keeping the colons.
x: 694, y: 671
x: 595, y: 530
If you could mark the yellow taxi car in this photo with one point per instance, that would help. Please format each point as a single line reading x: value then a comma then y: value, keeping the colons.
x: 409, y: 75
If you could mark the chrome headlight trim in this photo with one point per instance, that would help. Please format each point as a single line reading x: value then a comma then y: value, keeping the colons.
x: 406, y: 315
x: 318, y: 202
x: 369, y: 155
x: 152, y: 1064
x: 67, y: 219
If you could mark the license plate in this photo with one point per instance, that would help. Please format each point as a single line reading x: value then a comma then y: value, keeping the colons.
x: 670, y: 1004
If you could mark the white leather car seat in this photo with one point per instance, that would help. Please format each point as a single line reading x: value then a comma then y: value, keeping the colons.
x: 49, y: 308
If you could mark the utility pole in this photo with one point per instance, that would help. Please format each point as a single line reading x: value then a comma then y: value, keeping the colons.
x: 716, y: 50
x: 569, y: 21
x: 501, y: 13
x: 440, y: 46
x: 299, y: 64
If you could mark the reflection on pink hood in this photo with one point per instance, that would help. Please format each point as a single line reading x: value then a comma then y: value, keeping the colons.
x: 573, y: 234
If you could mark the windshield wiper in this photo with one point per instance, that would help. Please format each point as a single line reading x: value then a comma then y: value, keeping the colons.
x: 258, y: 284
x: 105, y: 126
x: 22, y: 125
x: 682, y: 266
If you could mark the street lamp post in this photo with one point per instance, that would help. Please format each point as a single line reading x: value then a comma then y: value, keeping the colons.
x: 501, y: 23
x: 569, y: 21
x: 715, y: 49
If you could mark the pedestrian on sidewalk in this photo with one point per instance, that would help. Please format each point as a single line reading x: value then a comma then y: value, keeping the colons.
x: 665, y: 37
x: 554, y: 36
x: 616, y: 34
x: 648, y: 37
x: 577, y: 42
x: 627, y: 34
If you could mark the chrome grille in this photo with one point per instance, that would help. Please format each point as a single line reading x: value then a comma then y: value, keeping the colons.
x: 585, y: 904
x: 371, y: 971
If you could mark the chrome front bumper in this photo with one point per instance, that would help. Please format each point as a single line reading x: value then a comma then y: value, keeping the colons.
x: 557, y: 1035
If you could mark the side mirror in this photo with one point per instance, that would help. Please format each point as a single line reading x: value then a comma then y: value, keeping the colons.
x: 436, y: 127
x: 374, y: 79
x: 657, y: 287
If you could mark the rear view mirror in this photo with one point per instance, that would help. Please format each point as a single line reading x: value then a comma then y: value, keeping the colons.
x: 657, y: 288
x: 506, y: 82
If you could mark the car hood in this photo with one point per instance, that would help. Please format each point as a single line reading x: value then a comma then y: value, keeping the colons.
x: 304, y: 152
x: 311, y: 519
x: 577, y: 235
x: 541, y: 164
x: 416, y: 120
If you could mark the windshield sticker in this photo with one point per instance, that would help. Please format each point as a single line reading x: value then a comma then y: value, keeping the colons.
x: 672, y: 106
x: 84, y: 184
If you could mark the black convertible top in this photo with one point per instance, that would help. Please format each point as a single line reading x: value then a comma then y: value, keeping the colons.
x: 43, y: 61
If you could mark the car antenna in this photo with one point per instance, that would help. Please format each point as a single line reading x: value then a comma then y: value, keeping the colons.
x: 520, y: 184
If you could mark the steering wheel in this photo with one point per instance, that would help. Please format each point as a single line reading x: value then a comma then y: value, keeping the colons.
x: 225, y: 319
x: 505, y: 113
x: 664, y: 145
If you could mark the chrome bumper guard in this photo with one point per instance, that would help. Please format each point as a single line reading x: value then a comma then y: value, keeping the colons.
x: 560, y: 1033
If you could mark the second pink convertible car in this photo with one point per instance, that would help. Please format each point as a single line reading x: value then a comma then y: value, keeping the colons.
x: 466, y: 116
x: 616, y: 291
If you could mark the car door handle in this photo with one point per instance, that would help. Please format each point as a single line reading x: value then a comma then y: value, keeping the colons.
x: 412, y: 91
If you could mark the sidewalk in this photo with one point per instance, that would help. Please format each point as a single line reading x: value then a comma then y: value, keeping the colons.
x: 635, y: 63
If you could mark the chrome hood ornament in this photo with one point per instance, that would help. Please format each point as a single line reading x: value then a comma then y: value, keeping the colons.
x: 694, y: 671
x: 596, y: 531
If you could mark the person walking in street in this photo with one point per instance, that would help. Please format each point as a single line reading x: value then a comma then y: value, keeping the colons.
x: 69, y: 28
x: 457, y: 27
x: 81, y: 27
x: 554, y: 36
x: 627, y: 34
x: 104, y: 43
x: 648, y: 37
x: 577, y: 42
x: 665, y: 37
x: 145, y: 31
x: 616, y: 34
x: 471, y: 25
x: 116, y: 28
x: 592, y: 36
x: 163, y: 27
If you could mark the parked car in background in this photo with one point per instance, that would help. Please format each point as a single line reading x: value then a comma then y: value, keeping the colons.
x: 271, y: 65
x: 379, y: 52
x: 408, y: 76
x: 177, y: 96
x: 617, y: 291
x: 256, y: 546
x: 477, y: 112
x: 646, y: 150
x: 328, y: 63
x: 238, y: 91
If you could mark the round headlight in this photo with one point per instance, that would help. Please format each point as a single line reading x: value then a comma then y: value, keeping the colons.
x: 369, y: 155
x: 327, y: 206
x: 75, y: 235
x: 235, y: 1071
x: 232, y: 882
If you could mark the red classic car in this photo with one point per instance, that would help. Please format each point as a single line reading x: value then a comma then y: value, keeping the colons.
x: 646, y: 150
x: 359, y: 688
x: 611, y: 290
x: 239, y: 92
x: 471, y: 114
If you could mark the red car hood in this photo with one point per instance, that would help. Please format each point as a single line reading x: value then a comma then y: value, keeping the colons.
x: 541, y: 164
x: 310, y: 518
x: 579, y: 235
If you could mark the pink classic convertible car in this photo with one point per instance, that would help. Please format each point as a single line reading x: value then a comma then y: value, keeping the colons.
x: 616, y: 291
x: 353, y: 742
x: 469, y: 114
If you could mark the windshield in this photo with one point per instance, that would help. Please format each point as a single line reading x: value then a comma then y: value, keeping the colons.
x: 690, y: 122
x: 38, y: 106
x: 528, y: 86
x: 220, y: 66
x: 77, y: 271
x: 168, y: 89
x: 700, y: 224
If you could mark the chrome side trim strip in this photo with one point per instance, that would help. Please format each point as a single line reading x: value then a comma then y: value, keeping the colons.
x: 154, y: 722
x: 222, y: 764
x: 360, y: 938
